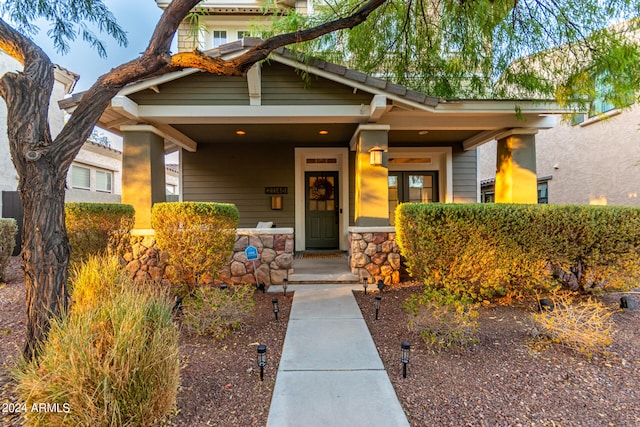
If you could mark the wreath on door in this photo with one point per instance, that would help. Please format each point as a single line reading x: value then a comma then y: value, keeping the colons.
x: 321, y: 189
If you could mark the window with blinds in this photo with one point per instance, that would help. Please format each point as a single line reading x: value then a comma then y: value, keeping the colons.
x: 80, y: 177
x: 103, y: 181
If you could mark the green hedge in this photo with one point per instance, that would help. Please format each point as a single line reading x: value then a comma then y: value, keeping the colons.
x: 488, y: 250
x: 198, y: 237
x: 95, y: 228
x: 8, y: 231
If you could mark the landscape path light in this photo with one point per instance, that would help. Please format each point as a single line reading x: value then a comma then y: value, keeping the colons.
x: 377, y: 304
x: 285, y: 282
x: 365, y: 283
x: 262, y: 359
x: 405, y: 348
x: 274, y: 301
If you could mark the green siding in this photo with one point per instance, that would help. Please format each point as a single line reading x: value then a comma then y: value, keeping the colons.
x: 465, y: 175
x: 198, y: 89
x: 238, y: 174
x: 282, y: 85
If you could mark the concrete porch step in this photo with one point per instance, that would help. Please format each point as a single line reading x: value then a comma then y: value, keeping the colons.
x: 327, y: 278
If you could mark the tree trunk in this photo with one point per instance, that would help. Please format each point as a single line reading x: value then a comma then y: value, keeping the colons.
x: 45, y: 253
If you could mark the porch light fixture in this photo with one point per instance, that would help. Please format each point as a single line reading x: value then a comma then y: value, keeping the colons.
x: 324, y: 132
x: 276, y: 203
x: 375, y: 156
x: 377, y: 304
x: 274, y: 301
x: 365, y: 283
x: 240, y: 132
x: 262, y: 359
x: 405, y: 349
x: 285, y: 282
x: 423, y: 132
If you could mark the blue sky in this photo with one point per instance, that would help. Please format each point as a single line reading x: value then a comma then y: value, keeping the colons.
x: 137, y: 17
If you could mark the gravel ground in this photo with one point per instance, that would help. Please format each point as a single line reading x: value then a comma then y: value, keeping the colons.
x: 507, y: 379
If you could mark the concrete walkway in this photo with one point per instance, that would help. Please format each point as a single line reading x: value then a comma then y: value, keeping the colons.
x: 330, y: 372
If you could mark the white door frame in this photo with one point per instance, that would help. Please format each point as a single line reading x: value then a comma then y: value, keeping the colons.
x: 342, y: 167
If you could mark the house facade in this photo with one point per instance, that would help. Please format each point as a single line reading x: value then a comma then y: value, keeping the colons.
x: 339, y: 149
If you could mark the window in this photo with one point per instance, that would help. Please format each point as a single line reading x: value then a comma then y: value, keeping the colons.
x: 171, y: 189
x: 219, y: 37
x: 103, y: 181
x: 242, y: 34
x: 543, y: 192
x: 80, y: 177
x: 420, y: 187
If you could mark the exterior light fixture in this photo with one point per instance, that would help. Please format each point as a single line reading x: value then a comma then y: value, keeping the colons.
x: 240, y: 132
x: 262, y: 359
x: 545, y: 305
x: 223, y: 287
x: 274, y: 301
x: 627, y: 303
x: 377, y: 304
x: 405, y: 348
x: 324, y: 132
x: 381, y: 285
x: 285, y: 282
x: 365, y: 283
x: 375, y: 156
x: 276, y: 203
x: 423, y: 132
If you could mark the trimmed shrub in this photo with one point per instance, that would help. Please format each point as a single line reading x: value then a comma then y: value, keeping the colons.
x: 114, y: 362
x: 442, y: 319
x: 198, y: 237
x: 490, y: 250
x: 216, y: 312
x: 8, y: 231
x: 584, y: 326
x: 95, y: 228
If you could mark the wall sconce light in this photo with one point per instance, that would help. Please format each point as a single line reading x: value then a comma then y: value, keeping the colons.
x: 375, y: 156
x: 276, y: 203
x: 274, y: 301
x: 405, y: 348
x: 262, y: 359
x: 377, y: 304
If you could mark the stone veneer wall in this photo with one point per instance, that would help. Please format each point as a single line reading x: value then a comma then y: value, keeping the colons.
x: 145, y: 261
x: 374, y: 254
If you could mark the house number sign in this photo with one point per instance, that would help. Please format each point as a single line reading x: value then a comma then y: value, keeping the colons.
x: 276, y: 190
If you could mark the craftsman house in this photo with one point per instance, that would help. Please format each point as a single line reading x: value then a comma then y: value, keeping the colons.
x: 320, y: 155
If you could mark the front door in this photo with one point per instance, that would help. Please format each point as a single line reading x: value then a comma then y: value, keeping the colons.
x: 321, y: 210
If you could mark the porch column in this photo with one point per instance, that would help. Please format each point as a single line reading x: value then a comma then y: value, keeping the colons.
x: 516, y: 180
x: 143, y: 171
x: 371, y: 182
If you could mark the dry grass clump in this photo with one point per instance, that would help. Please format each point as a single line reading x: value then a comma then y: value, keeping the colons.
x: 584, y: 325
x: 112, y: 362
x: 442, y: 319
x: 95, y: 280
x: 217, y: 312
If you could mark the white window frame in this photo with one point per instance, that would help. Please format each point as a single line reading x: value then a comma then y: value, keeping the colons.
x: 75, y: 185
x: 216, y: 37
x: 109, y: 181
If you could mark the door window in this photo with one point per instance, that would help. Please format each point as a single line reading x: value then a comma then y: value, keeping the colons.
x: 417, y: 187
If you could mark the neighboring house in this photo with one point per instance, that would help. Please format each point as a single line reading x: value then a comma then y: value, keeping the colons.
x: 595, y: 161
x: 322, y: 155
x: 95, y: 175
x: 226, y: 21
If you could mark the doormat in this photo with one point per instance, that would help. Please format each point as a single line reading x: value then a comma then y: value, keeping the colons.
x: 322, y: 255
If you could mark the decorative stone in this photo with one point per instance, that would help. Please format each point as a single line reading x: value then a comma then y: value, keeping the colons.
x: 268, y: 255
x: 373, y: 269
x: 264, y: 275
x: 362, y: 245
x: 355, y: 236
x: 394, y: 260
x: 289, y: 245
x: 164, y: 257
x: 148, y: 241
x: 141, y: 277
x: 267, y: 241
x: 239, y: 257
x: 395, y: 277
x: 156, y: 273
x: 359, y: 260
x: 279, y: 243
x: 386, y: 271
x: 284, y: 261
x: 367, y: 237
x: 371, y: 249
x: 241, y: 244
x: 278, y: 276
x: 256, y: 241
x: 133, y: 266
x: 387, y: 246
x: 128, y: 256
x: 379, y: 238
x: 238, y: 268
x: 379, y: 258
x: 248, y: 278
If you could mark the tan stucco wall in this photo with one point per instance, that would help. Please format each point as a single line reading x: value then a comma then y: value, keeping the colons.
x: 598, y: 163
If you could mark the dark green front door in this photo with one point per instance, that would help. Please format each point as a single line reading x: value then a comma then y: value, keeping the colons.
x: 321, y: 210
